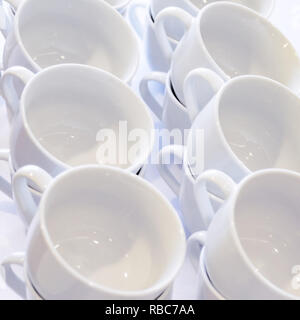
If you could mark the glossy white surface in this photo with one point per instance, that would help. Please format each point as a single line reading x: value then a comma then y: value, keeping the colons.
x: 224, y: 37
x: 78, y: 103
x: 120, y: 248
x: 251, y: 124
x: 91, y: 33
x: 264, y: 7
x: 251, y: 245
x: 12, y: 232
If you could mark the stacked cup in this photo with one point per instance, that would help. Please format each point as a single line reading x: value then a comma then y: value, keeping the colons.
x: 67, y: 69
x: 96, y: 229
x: 232, y: 80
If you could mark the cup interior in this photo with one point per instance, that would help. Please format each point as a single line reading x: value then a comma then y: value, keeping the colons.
x: 259, y: 119
x: 86, y: 111
x: 267, y: 221
x: 101, y: 224
x: 86, y: 32
x: 242, y: 42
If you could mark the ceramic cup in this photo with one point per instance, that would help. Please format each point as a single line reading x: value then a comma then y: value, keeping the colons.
x: 85, y: 32
x: 231, y: 40
x: 32, y: 294
x: 117, y: 246
x: 250, y: 124
x: 141, y: 19
x: 264, y: 7
x: 171, y: 112
x: 251, y: 246
x: 70, y: 115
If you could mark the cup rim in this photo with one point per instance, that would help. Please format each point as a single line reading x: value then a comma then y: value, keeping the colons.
x: 218, y: 98
x: 104, y: 4
x: 181, y: 251
x: 235, y: 196
x: 205, y: 277
x: 266, y: 15
x: 243, y: 9
x: 133, y: 167
x: 171, y: 93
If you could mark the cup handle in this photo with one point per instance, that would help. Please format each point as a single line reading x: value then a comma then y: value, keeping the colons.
x: 14, y: 259
x: 195, y: 244
x: 135, y: 20
x: 5, y: 186
x: 7, y: 87
x: 161, y: 33
x: 216, y: 179
x: 13, y: 281
x: 200, y: 86
x: 21, y: 191
x: 172, y: 173
x: 148, y: 96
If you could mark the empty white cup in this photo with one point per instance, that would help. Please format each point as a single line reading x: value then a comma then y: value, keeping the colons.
x: 231, y: 40
x: 249, y: 125
x: 62, y: 112
x: 100, y: 233
x: 54, y: 32
x: 251, y: 246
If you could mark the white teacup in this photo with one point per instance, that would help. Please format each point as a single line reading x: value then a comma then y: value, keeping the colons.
x: 70, y: 115
x: 171, y: 112
x: 231, y: 40
x: 251, y: 246
x: 249, y: 125
x: 264, y: 7
x: 18, y: 259
x: 54, y: 32
x: 143, y: 23
x: 125, y: 240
